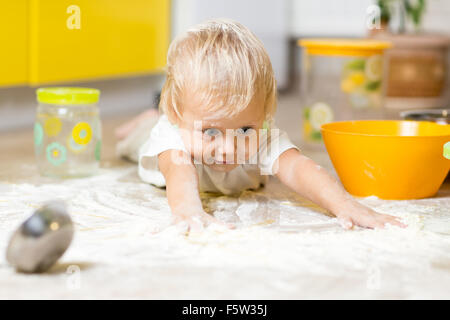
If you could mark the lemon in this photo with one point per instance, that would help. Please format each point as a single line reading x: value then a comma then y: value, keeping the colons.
x: 306, y: 113
x: 307, y: 129
x: 356, y: 64
x: 320, y: 113
x: 373, y: 85
x: 316, y: 136
x: 359, y: 100
x: 375, y: 100
x: 352, y: 81
x: 374, y: 68
x: 357, y: 78
x: 347, y: 85
x: 447, y: 150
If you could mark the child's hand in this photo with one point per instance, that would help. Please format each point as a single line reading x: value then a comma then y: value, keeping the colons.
x: 354, y: 213
x: 182, y: 192
x: 197, y: 222
x: 313, y: 182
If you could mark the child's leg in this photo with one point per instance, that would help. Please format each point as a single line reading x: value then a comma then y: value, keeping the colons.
x: 125, y: 129
x: 133, y: 134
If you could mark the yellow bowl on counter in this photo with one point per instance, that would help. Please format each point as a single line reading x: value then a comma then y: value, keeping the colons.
x: 388, y: 159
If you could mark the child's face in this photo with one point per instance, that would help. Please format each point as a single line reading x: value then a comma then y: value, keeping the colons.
x: 218, y: 142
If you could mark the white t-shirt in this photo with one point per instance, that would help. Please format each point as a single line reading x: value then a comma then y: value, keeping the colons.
x: 165, y: 136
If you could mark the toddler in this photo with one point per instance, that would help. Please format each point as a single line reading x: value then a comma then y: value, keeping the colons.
x: 216, y: 132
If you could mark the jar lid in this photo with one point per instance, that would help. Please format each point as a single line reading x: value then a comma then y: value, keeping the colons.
x: 344, y: 47
x: 447, y: 150
x: 67, y: 95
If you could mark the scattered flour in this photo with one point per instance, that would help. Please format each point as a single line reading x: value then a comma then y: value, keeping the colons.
x: 125, y: 240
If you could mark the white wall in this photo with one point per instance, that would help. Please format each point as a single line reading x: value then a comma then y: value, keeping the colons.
x: 437, y: 17
x: 328, y: 17
x: 348, y: 17
x: 268, y: 19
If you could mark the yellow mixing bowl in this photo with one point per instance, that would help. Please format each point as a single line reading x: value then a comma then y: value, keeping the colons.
x: 388, y: 159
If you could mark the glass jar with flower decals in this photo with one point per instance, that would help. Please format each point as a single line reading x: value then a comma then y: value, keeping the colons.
x: 67, y: 132
x: 342, y: 79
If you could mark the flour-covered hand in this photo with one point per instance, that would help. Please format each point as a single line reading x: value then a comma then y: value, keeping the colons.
x: 197, y: 222
x: 354, y: 213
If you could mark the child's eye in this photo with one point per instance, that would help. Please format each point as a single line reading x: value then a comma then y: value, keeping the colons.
x: 212, y: 132
x: 243, y: 130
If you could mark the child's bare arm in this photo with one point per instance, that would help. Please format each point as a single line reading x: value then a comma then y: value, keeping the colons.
x: 182, y: 189
x: 313, y: 182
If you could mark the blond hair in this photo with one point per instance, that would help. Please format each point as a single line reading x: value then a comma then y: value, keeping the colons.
x: 224, y: 64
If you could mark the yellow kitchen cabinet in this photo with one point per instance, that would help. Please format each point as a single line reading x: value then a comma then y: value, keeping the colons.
x: 72, y: 40
x: 13, y: 42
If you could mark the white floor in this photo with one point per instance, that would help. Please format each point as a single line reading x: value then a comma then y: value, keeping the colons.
x: 284, y: 247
